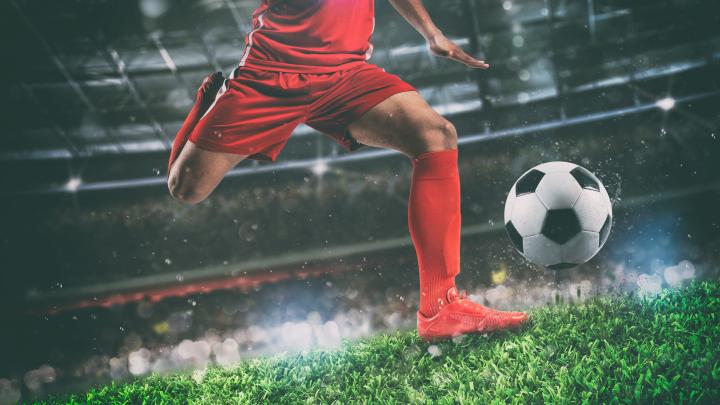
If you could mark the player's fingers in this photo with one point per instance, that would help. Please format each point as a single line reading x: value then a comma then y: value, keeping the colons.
x: 468, y: 60
x: 478, y: 64
x: 460, y: 56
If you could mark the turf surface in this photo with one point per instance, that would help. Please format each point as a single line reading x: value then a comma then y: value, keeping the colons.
x: 624, y: 349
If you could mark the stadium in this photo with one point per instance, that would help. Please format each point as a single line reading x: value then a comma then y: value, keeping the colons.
x: 297, y: 281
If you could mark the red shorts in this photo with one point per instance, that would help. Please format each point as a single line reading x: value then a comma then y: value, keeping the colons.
x: 256, y: 111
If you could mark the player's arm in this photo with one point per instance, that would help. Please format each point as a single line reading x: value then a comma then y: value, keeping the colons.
x: 415, y: 13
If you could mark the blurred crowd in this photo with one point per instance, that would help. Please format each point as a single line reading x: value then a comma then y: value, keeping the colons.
x: 254, y: 218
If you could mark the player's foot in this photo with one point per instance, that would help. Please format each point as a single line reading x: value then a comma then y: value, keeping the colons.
x: 461, y: 315
x: 203, y: 100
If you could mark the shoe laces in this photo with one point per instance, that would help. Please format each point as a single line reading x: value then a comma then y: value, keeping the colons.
x: 458, y: 295
x: 466, y: 302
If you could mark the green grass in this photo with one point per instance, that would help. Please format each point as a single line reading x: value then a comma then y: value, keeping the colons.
x: 609, y: 350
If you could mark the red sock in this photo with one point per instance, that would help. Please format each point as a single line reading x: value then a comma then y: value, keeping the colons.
x: 434, y: 222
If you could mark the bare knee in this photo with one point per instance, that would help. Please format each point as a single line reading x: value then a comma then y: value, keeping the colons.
x: 183, y: 190
x: 439, y: 135
x: 449, y: 134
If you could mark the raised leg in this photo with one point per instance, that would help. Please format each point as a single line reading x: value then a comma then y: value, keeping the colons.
x: 196, y: 173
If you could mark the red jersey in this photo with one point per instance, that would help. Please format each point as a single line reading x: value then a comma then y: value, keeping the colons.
x: 310, y: 36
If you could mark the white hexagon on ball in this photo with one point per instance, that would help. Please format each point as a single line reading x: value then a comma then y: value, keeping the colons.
x: 558, y: 190
x: 576, y: 248
x: 556, y: 167
x: 591, y: 210
x: 528, y: 214
x: 558, y: 215
x: 541, y: 250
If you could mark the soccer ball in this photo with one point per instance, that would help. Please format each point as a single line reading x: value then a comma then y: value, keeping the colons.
x: 558, y: 215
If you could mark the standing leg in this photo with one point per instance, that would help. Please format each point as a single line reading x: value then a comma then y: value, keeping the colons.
x: 406, y: 123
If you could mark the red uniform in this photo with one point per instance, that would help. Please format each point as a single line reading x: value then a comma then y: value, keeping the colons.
x: 310, y: 36
x: 305, y: 61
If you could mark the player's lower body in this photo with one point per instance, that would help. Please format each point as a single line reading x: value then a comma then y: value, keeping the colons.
x: 252, y: 115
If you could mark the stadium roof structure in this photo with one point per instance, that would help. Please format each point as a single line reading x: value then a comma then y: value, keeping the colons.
x: 96, y: 79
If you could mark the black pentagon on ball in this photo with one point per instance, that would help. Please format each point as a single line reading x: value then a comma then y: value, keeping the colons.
x: 561, y: 225
x: 528, y: 182
x: 515, y: 237
x: 605, y: 230
x: 560, y: 266
x: 585, y: 178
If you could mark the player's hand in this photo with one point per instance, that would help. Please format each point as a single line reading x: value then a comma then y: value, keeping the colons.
x: 441, y: 46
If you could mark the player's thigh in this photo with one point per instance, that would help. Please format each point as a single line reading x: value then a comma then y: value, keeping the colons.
x: 197, y: 172
x: 404, y: 122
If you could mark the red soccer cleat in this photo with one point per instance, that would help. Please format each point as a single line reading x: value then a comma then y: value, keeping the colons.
x: 203, y: 100
x: 461, y: 316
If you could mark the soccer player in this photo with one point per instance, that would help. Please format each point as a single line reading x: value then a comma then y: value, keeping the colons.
x: 306, y: 61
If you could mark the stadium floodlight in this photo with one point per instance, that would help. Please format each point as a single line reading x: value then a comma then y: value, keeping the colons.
x: 73, y: 184
x: 320, y: 167
x: 507, y: 5
x: 666, y: 103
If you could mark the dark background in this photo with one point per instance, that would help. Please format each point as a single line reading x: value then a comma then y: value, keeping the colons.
x: 104, y: 274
